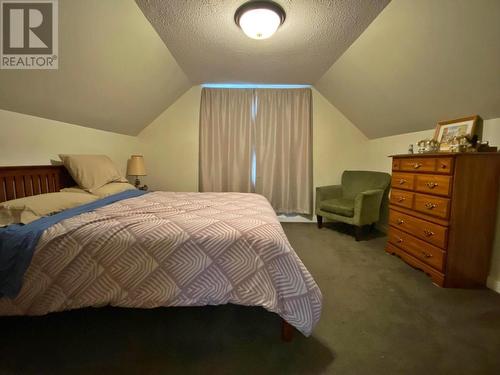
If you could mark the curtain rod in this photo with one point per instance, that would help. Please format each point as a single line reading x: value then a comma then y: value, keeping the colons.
x: 252, y: 86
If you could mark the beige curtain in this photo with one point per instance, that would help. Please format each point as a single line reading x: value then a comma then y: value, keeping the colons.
x: 283, y: 146
x: 226, y: 140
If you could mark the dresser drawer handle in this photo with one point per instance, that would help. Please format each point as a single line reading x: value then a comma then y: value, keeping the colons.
x: 427, y: 255
x: 401, y: 199
x: 428, y: 233
x: 431, y: 185
x: 400, y: 240
x: 443, y: 166
x: 400, y: 221
x: 417, y: 165
x: 430, y: 206
x: 402, y: 181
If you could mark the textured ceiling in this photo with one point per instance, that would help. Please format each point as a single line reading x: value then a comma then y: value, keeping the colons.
x: 115, y: 73
x: 207, y: 44
x: 420, y: 62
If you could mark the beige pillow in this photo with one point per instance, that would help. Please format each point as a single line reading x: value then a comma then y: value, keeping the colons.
x: 25, y: 210
x: 104, y: 191
x: 91, y: 171
x: 74, y: 189
x: 10, y: 216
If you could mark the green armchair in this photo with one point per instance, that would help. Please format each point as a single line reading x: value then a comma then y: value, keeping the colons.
x: 357, y: 201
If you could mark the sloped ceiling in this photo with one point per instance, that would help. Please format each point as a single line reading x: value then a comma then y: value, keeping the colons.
x: 115, y: 73
x: 420, y: 62
x: 210, y: 47
x: 417, y: 62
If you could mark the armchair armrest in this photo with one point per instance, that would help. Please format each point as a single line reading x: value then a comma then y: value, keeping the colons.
x: 367, y: 206
x: 327, y: 192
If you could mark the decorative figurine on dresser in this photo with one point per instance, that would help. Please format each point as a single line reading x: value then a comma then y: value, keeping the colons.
x: 442, y: 217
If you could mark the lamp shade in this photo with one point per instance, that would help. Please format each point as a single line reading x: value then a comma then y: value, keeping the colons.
x: 136, y: 166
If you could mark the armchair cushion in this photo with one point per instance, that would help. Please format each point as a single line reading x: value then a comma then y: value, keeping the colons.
x: 339, y: 206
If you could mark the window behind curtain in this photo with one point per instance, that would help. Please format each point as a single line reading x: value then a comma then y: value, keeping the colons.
x: 226, y: 140
x: 258, y: 140
x: 283, y: 149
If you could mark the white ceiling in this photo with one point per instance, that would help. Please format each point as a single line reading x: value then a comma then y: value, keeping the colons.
x: 115, y: 73
x: 207, y: 44
x: 419, y: 62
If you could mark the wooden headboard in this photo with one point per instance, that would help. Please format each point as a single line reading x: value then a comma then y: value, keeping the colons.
x: 25, y: 181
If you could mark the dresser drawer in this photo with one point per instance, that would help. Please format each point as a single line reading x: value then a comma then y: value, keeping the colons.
x: 421, y: 250
x: 433, y: 184
x: 403, y: 181
x: 402, y: 198
x: 430, y: 205
x: 430, y: 232
x: 437, y: 277
x: 444, y: 165
x: 418, y: 164
x: 439, y: 165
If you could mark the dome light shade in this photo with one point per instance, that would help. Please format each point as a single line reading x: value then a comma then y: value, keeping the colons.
x: 259, y: 19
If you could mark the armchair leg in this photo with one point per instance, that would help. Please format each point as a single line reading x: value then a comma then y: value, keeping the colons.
x: 358, y: 231
x: 320, y: 221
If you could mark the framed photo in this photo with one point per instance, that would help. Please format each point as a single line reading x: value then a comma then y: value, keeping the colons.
x: 447, y: 130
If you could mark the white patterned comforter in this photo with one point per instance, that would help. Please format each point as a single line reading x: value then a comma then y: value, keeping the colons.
x: 170, y: 249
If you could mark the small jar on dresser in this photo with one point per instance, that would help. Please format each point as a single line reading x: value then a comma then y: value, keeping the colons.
x: 443, y: 209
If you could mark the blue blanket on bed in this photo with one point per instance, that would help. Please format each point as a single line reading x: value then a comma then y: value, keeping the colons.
x: 18, y: 242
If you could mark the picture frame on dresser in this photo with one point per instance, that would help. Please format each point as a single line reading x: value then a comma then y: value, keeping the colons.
x: 449, y: 129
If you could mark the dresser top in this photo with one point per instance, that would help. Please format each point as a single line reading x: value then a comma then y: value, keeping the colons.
x: 447, y: 154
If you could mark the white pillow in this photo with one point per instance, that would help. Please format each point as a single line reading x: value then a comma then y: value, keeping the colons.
x: 26, y: 210
x: 91, y: 172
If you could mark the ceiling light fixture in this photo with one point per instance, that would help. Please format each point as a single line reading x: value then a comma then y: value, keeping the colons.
x: 259, y: 19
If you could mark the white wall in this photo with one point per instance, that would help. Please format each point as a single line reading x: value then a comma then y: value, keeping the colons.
x: 30, y: 140
x: 338, y: 145
x: 377, y: 159
x: 171, y: 144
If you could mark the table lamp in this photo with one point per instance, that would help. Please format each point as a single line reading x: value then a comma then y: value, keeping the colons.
x: 136, y: 168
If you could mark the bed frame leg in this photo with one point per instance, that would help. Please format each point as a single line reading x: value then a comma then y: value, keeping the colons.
x: 286, y: 331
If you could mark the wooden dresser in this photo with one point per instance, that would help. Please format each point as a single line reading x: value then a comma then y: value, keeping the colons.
x: 442, y: 214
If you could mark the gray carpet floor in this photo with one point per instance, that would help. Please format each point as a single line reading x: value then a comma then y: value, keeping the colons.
x: 380, y: 316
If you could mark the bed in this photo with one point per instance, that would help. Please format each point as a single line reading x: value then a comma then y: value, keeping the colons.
x: 160, y: 249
